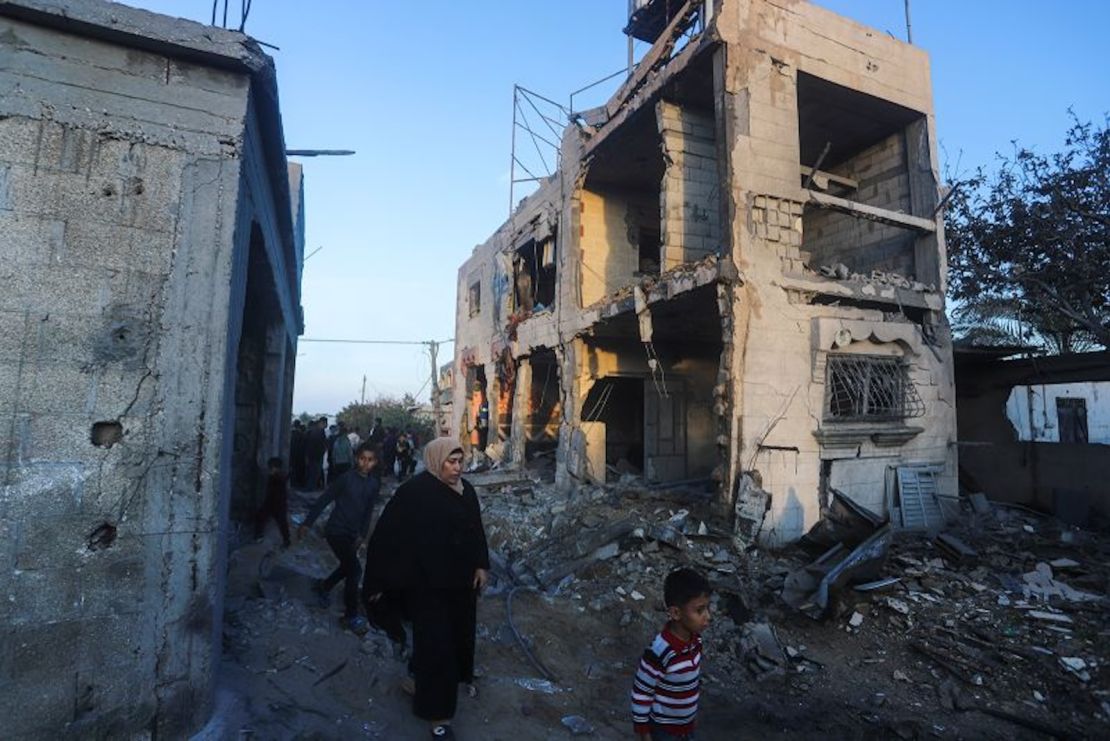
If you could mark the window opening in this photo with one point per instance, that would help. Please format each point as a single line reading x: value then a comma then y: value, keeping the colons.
x: 649, y: 243
x: 1071, y: 416
x: 474, y: 298
x: 534, y: 275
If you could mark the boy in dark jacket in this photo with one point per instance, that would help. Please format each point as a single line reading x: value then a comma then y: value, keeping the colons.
x: 354, y: 494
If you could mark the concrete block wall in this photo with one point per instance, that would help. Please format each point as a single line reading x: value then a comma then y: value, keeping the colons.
x: 832, y: 237
x: 608, y: 239
x: 691, y: 194
x: 778, y: 223
x: 122, y: 237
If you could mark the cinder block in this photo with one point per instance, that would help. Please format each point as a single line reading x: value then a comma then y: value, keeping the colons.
x: 114, y: 641
x: 31, y: 241
x: 53, y: 542
x: 110, y: 703
x: 43, y: 490
x: 43, y: 597
x: 28, y: 656
x: 58, y: 388
x: 105, y: 244
x: 19, y: 137
x: 44, y: 707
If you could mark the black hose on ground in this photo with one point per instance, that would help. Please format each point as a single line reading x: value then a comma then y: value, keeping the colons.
x: 547, y: 673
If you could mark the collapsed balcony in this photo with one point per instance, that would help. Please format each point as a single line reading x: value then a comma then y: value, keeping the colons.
x: 648, y: 383
x: 869, y: 215
x: 651, y: 197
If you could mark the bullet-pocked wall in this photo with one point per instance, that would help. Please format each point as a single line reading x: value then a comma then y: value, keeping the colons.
x: 137, y: 155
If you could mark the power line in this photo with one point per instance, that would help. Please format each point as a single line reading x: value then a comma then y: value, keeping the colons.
x: 377, y: 342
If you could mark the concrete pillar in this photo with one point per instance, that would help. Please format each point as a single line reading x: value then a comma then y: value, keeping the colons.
x: 522, y: 412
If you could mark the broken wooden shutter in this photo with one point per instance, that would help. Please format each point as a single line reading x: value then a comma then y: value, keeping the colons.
x: 917, y: 495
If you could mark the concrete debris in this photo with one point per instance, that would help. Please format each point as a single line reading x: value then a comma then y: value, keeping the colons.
x: 577, y: 725
x: 1041, y: 585
x: 810, y: 589
x: 924, y: 618
x: 533, y: 684
x: 668, y: 534
x: 1051, y: 617
x: 980, y: 504
x: 752, y: 504
x: 956, y: 548
x: 844, y: 521
x: 840, y: 271
x: 761, y: 649
x: 1076, y: 666
x: 897, y: 605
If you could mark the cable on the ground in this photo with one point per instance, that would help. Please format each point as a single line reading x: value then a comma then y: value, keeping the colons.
x: 547, y: 673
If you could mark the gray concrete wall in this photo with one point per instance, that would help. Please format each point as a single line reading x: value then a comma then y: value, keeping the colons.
x: 123, y: 199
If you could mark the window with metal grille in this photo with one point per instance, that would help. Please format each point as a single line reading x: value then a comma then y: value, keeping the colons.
x: 869, y: 388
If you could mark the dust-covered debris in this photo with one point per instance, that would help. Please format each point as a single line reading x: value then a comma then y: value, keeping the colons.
x: 932, y: 643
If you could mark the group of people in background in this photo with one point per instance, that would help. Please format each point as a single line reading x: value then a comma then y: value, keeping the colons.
x: 318, y: 453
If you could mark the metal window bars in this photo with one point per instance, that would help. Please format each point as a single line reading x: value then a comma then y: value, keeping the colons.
x: 870, y: 388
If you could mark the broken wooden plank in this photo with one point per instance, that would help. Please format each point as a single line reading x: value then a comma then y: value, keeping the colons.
x: 823, y: 178
x: 956, y: 548
x: 871, y: 213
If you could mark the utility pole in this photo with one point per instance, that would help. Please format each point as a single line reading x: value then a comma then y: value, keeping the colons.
x: 362, y: 400
x: 433, y: 351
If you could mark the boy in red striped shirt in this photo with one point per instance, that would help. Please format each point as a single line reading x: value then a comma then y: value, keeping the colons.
x: 665, y: 691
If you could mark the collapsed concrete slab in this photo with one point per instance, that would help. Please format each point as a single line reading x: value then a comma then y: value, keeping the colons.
x: 151, y: 241
x: 737, y: 270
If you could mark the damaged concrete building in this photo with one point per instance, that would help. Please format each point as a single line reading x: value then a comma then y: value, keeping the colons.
x: 736, y: 274
x: 151, y: 242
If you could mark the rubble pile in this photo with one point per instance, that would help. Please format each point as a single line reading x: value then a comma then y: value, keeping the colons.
x: 994, y: 628
x: 840, y: 271
x: 1001, y: 617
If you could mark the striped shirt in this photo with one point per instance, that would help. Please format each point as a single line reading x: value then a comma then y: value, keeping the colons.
x: 665, y: 691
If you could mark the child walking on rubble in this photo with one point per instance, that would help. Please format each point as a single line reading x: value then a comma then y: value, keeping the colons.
x: 665, y: 690
x: 355, y: 494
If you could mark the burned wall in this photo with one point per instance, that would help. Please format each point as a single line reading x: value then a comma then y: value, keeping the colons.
x: 124, y: 220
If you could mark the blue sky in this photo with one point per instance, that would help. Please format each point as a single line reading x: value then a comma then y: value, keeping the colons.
x: 423, y: 92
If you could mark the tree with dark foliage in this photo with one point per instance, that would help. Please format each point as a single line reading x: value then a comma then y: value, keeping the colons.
x: 1029, y: 247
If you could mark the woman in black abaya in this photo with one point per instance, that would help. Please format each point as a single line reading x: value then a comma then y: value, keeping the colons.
x: 429, y: 548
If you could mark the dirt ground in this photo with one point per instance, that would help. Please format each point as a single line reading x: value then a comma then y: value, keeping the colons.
x: 957, y: 648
